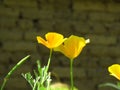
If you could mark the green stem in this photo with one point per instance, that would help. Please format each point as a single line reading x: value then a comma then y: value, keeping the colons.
x: 48, y: 81
x: 47, y: 67
x: 50, y: 55
x: 12, y: 70
x: 71, y: 73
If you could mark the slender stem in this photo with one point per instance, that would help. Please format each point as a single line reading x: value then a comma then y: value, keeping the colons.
x: 48, y: 64
x: 71, y: 73
x: 12, y: 70
x: 50, y: 55
x: 47, y: 67
x: 48, y: 81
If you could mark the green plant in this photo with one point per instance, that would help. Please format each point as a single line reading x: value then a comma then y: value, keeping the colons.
x: 41, y: 79
x: 12, y: 71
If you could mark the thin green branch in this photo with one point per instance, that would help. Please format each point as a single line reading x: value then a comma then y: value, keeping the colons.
x: 12, y: 70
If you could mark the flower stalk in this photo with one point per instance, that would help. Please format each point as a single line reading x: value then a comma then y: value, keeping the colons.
x: 71, y: 74
x: 49, y: 59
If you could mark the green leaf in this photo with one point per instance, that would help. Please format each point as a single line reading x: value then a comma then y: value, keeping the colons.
x: 41, y: 79
x: 118, y: 84
x: 29, y: 78
x: 110, y: 85
x: 36, y: 74
x: 39, y: 67
x: 42, y: 88
x: 12, y: 71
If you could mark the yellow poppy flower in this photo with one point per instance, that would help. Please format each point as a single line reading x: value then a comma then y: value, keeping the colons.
x: 115, y: 70
x: 52, y: 40
x: 72, y: 46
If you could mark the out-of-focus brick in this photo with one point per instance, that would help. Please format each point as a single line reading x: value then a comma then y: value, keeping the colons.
x: 62, y: 27
x: 86, y: 62
x: 113, y: 7
x: 46, y: 14
x: 4, y: 57
x: 110, y: 51
x: 25, y: 24
x: 10, y: 35
x: 118, y: 60
x: 46, y: 25
x: 114, y: 28
x: 102, y: 40
x: 82, y: 16
x: 97, y: 28
x: 32, y: 13
x: 65, y: 5
x: 46, y: 6
x: 21, y: 3
x: 61, y: 59
x: 19, y: 46
x: 96, y: 72
x: 88, y: 6
x: 16, y: 82
x: 80, y: 83
x: 2, y: 69
x: 7, y: 22
x: 8, y: 12
x: 81, y: 27
x: 36, y: 14
x: 103, y: 17
x: 78, y: 72
x: 103, y: 61
x: 31, y: 35
x: 34, y: 57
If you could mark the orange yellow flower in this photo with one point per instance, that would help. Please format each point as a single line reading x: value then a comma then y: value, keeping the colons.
x: 115, y: 70
x: 52, y: 40
x: 72, y: 46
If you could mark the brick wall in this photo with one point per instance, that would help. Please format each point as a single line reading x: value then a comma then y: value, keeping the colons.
x: 22, y: 20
